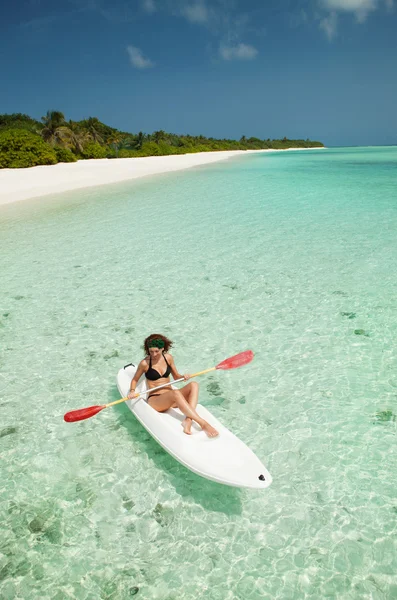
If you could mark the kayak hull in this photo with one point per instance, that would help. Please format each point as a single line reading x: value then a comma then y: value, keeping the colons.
x: 224, y: 459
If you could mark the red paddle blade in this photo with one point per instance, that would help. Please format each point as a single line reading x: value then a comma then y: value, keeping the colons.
x: 239, y: 360
x: 83, y: 413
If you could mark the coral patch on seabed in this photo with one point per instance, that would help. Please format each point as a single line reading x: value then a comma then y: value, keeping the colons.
x: 8, y: 431
x: 361, y: 332
x: 386, y: 416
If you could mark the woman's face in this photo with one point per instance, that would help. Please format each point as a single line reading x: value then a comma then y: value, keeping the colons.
x: 154, y: 352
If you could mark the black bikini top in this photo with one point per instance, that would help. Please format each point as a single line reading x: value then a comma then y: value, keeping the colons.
x: 153, y: 375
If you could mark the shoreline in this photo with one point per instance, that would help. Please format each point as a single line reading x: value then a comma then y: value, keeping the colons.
x: 44, y: 180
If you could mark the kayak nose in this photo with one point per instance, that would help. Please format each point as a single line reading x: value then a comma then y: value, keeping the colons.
x: 262, y: 477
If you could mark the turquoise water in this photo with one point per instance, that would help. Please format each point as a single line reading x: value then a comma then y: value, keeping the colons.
x: 290, y: 254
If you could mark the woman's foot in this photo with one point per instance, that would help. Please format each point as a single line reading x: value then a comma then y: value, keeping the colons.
x: 187, y: 426
x: 209, y: 430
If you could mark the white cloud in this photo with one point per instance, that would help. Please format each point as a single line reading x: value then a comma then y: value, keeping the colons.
x: 239, y: 51
x: 149, y: 6
x: 196, y: 12
x: 138, y: 60
x: 328, y: 24
x: 359, y: 8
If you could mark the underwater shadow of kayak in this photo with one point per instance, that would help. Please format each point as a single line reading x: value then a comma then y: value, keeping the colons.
x: 210, y: 495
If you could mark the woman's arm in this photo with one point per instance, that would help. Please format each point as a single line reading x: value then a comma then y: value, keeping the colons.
x: 134, y: 381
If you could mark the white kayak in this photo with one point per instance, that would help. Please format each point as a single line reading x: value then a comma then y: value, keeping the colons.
x: 224, y: 459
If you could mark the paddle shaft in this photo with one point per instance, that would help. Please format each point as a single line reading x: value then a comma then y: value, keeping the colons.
x: 159, y: 387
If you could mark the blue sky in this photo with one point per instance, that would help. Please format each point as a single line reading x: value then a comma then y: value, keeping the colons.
x: 323, y: 69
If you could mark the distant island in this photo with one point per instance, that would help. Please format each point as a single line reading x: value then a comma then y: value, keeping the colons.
x: 26, y: 142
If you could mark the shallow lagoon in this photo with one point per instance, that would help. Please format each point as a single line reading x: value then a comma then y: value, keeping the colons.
x: 290, y: 254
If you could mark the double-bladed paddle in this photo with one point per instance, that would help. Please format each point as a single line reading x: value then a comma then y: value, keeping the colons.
x: 239, y: 360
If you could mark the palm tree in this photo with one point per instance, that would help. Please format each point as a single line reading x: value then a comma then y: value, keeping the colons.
x: 139, y: 140
x: 115, y: 141
x: 93, y: 128
x: 159, y: 136
x: 57, y: 132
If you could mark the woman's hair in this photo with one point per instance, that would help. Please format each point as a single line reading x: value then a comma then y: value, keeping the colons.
x: 156, y: 340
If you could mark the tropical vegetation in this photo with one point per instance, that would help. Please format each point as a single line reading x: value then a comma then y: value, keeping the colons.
x: 26, y: 142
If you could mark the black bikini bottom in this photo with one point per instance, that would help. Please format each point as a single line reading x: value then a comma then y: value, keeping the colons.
x: 152, y: 396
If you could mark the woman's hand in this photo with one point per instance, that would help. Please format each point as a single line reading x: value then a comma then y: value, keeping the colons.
x: 132, y: 394
x: 186, y: 377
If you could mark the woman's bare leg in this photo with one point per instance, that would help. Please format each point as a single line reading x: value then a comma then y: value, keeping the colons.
x: 190, y: 392
x: 167, y: 399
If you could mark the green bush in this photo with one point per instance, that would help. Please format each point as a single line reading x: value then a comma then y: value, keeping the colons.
x: 150, y: 149
x: 20, y: 121
x: 20, y: 148
x: 166, y: 149
x: 64, y: 155
x: 94, y: 150
x: 198, y: 148
x: 110, y: 152
x: 124, y: 153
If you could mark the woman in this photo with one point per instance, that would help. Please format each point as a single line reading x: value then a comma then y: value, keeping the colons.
x: 157, y: 367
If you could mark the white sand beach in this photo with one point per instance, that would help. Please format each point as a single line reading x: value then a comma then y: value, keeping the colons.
x: 33, y: 182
